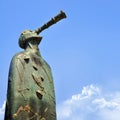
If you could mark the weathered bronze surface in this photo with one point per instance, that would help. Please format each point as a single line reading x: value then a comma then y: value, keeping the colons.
x: 30, y: 94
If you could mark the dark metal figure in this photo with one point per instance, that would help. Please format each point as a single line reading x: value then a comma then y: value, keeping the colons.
x: 30, y: 94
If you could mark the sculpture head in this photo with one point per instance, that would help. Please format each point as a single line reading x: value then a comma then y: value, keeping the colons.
x: 26, y: 36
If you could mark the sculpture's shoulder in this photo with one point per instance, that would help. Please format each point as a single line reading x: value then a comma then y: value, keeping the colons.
x: 44, y: 63
x: 19, y: 58
x: 47, y: 64
x: 20, y: 55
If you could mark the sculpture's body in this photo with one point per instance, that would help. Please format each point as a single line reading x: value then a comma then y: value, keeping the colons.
x: 30, y: 93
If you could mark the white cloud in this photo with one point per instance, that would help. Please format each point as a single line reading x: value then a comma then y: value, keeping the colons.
x: 90, y: 104
x: 2, y: 110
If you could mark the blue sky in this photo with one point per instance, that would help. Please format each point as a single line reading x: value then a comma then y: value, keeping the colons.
x: 82, y: 50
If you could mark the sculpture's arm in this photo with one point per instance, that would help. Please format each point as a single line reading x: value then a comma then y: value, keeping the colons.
x: 14, y: 79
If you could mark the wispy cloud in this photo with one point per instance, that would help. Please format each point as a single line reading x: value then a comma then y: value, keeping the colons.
x: 2, y: 110
x: 90, y: 104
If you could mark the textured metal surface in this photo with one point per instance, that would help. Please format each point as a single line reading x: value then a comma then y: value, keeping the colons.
x: 30, y: 89
x: 30, y: 94
x: 54, y: 20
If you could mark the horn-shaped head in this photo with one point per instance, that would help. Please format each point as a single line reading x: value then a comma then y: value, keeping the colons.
x: 26, y: 36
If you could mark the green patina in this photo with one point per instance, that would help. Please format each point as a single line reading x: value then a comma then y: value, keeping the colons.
x: 30, y: 94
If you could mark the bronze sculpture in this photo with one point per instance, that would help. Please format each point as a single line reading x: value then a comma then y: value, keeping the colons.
x: 30, y: 94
